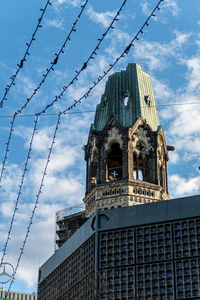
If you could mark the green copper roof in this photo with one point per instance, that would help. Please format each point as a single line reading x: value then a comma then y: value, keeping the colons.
x: 132, y: 85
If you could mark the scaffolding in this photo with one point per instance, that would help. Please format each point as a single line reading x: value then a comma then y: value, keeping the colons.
x: 67, y: 221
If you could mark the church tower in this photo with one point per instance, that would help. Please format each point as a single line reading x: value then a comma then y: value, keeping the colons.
x: 149, y: 251
x: 126, y: 152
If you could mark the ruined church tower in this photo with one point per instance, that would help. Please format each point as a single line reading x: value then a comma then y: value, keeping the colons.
x: 126, y: 152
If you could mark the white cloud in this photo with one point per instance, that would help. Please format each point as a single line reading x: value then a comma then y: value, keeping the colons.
x: 68, y: 190
x: 187, y: 117
x: 169, y: 6
x: 181, y: 186
x: 38, y: 247
x: 27, y: 85
x: 174, y: 157
x: 74, y: 3
x: 172, y: 6
x: 158, y: 55
x: 161, y: 90
x: 64, y: 183
x: 193, y: 65
x: 57, y: 23
x: 103, y: 18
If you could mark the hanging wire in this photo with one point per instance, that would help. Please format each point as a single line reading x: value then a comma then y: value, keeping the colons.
x: 44, y: 76
x: 20, y: 188
x: 91, y: 56
x: 35, y: 204
x: 126, y: 51
x: 55, y: 60
x: 93, y: 111
x: 24, y: 59
x: 111, y: 66
x: 7, y: 147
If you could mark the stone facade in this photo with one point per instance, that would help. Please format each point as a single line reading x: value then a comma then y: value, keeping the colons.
x: 124, y: 159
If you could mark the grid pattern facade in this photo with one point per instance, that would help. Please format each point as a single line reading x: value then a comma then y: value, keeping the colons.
x: 116, y: 279
x: 71, y: 280
x: 82, y: 290
x: 154, y: 262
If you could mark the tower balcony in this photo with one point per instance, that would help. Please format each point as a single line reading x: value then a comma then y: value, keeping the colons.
x: 121, y: 193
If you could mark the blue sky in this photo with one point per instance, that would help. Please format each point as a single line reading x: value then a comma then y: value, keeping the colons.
x: 169, y: 51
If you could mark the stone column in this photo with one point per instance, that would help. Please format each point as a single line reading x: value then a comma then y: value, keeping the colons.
x: 98, y: 144
x: 130, y: 159
x: 125, y: 158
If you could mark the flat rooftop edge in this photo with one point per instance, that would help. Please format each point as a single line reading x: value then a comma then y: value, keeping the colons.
x: 137, y: 215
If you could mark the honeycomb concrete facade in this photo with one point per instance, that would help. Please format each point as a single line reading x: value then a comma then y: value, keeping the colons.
x: 149, y: 251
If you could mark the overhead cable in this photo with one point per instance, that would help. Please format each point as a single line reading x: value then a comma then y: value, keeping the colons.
x: 85, y: 64
x: 93, y: 111
x: 111, y: 66
x: 51, y: 68
x: 126, y: 51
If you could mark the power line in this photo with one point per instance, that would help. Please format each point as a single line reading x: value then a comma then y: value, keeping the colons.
x: 51, y: 68
x: 55, y: 60
x: 93, y: 111
x: 111, y: 66
x: 24, y: 59
x: 125, y: 52
x: 54, y: 137
x: 85, y: 64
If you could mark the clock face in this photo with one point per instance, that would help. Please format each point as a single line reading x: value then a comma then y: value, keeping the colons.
x: 6, y: 272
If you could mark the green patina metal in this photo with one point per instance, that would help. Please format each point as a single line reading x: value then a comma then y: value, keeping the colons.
x: 128, y: 95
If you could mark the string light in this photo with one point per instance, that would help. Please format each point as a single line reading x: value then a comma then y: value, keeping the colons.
x: 35, y: 204
x: 55, y: 60
x: 24, y: 59
x: 85, y: 64
x: 7, y: 146
x: 126, y: 51
x: 44, y: 77
x: 20, y: 188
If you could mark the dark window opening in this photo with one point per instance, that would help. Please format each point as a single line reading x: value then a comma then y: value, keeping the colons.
x: 114, y: 164
x: 161, y: 176
x: 140, y: 168
x: 94, y: 169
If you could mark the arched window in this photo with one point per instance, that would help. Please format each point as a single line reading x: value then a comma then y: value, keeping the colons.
x: 114, y: 163
x: 161, y: 176
x: 94, y: 168
x: 140, y: 167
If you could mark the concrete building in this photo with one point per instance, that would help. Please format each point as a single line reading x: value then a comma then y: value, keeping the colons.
x: 136, y: 243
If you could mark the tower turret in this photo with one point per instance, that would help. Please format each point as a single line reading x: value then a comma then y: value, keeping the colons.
x: 126, y: 153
